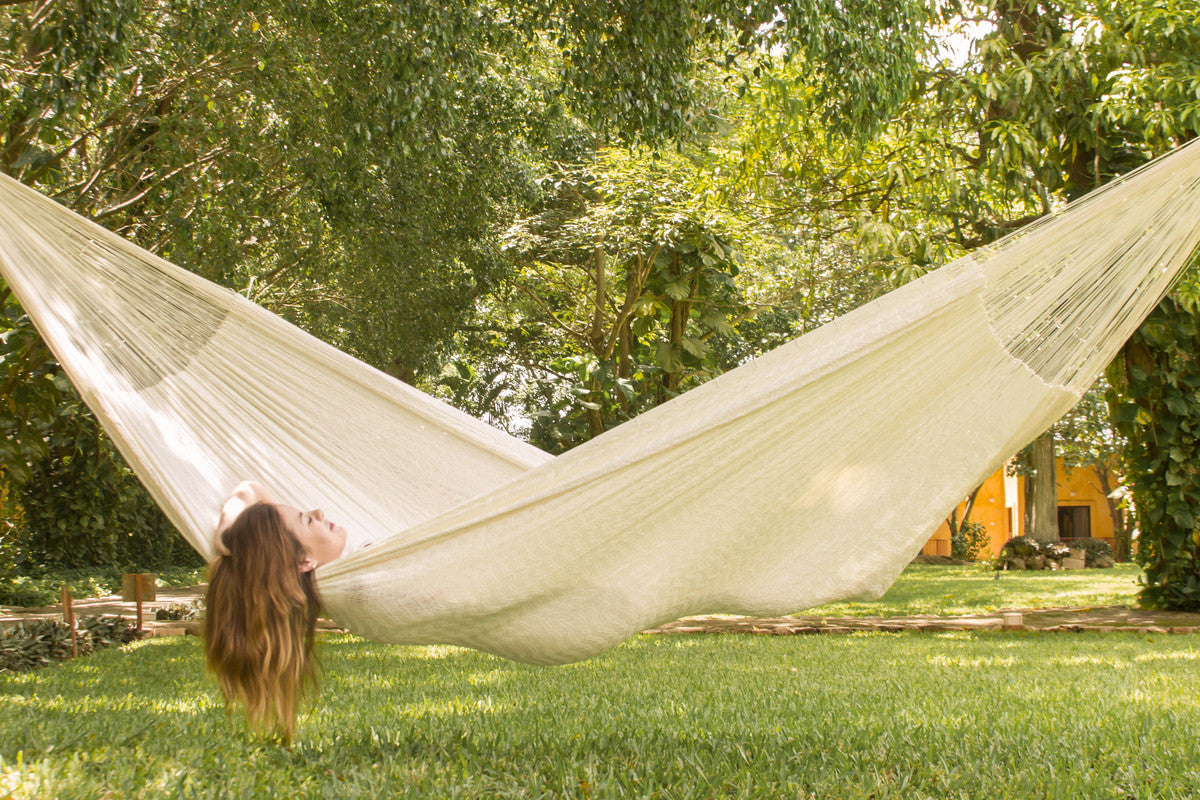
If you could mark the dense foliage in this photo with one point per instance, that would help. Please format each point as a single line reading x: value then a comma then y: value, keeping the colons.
x: 1156, y: 406
x: 352, y: 167
x: 1022, y: 105
x: 556, y: 215
x: 44, y: 588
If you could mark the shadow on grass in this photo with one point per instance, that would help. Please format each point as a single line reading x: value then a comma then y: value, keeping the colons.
x: 835, y: 717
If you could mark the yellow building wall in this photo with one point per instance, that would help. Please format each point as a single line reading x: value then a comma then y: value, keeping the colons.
x: 1081, y: 487
x: 990, y: 509
x: 1000, y: 506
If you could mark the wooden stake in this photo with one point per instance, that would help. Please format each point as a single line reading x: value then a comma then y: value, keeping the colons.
x: 138, y: 587
x: 68, y: 608
x: 138, y: 584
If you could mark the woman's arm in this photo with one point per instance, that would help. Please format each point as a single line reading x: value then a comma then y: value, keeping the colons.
x: 245, y: 495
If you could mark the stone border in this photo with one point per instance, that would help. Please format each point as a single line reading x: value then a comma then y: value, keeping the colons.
x: 1046, y: 620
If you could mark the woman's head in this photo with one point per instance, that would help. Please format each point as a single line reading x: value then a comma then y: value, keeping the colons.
x: 262, y: 607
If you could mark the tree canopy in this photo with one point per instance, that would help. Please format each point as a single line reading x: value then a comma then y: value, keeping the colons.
x: 560, y: 214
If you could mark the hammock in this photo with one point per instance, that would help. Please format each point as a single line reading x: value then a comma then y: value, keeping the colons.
x: 810, y: 475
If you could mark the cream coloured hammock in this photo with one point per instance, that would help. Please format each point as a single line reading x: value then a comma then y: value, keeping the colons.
x: 812, y: 474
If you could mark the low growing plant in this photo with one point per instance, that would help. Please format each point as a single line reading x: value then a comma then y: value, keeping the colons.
x: 180, y: 611
x: 31, y: 644
x: 1033, y: 554
x: 969, y: 541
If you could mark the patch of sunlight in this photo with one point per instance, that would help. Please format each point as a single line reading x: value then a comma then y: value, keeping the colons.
x: 362, y: 655
x: 90, y: 703
x: 981, y: 661
x: 1190, y: 655
x: 10, y: 781
x: 149, y: 641
x: 127, y: 702
x: 18, y: 779
x: 485, y: 678
x: 377, y: 681
x: 32, y: 701
x: 339, y: 637
x: 19, y: 678
x: 454, y: 707
x: 1097, y: 661
x: 432, y: 652
x: 192, y: 705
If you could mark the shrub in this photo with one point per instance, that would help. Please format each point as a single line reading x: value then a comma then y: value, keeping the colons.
x: 37, y: 643
x: 79, y: 504
x: 1097, y: 551
x: 1034, y: 554
x: 12, y: 521
x: 1055, y: 551
x: 180, y: 611
x: 1022, y: 547
x: 1037, y: 554
x: 45, y: 589
x: 970, y: 540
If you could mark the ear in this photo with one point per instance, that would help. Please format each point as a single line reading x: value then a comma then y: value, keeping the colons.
x: 308, y: 565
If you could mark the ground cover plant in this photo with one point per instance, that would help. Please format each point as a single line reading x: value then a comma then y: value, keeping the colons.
x: 970, y: 589
x: 32, y: 644
x: 957, y: 715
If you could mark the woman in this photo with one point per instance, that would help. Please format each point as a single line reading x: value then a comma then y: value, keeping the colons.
x: 262, y: 603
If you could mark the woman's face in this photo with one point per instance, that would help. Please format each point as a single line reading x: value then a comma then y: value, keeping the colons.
x: 320, y: 539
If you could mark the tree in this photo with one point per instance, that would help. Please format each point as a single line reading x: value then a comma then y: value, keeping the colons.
x: 351, y: 167
x: 1053, y: 99
x: 1088, y: 439
x: 1041, y: 493
x: 210, y: 142
x: 626, y: 278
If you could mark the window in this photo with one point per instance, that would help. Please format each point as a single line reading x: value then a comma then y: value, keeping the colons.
x: 1074, y: 522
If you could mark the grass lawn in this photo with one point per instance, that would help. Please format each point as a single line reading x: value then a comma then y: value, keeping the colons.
x: 955, y: 715
x: 971, y: 589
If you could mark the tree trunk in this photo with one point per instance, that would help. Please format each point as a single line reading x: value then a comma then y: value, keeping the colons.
x: 954, y: 523
x: 1120, y: 521
x: 1044, y: 501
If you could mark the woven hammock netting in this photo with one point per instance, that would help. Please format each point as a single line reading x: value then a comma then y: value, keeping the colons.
x: 809, y: 475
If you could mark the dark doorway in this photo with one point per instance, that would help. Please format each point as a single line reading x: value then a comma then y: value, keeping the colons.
x: 1074, y: 522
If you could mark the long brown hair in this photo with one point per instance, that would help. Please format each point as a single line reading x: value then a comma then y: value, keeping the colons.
x: 260, y: 617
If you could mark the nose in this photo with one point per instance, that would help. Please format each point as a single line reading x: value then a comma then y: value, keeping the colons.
x: 317, y: 514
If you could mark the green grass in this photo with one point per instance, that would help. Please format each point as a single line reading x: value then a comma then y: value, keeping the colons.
x: 959, y: 715
x: 933, y: 589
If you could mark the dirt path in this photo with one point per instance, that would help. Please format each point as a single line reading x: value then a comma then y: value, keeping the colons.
x: 1111, y: 618
x: 113, y: 605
